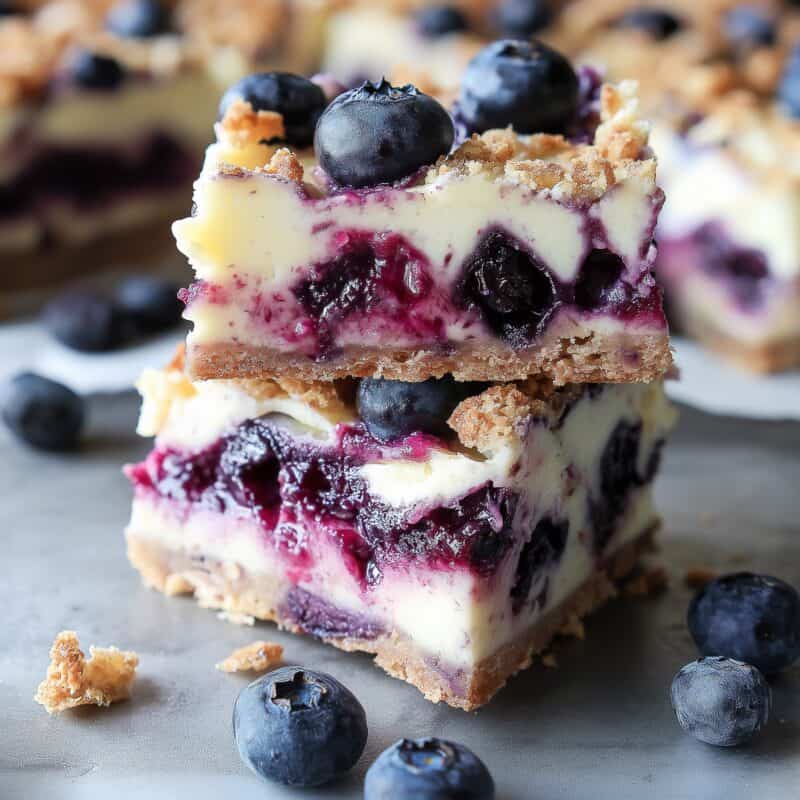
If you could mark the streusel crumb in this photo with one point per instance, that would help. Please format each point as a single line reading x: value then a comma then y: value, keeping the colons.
x: 72, y: 680
x: 285, y: 164
x: 491, y: 417
x: 242, y: 125
x: 698, y: 577
x: 256, y: 657
x: 646, y: 583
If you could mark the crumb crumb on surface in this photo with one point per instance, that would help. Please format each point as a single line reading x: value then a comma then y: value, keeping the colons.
x: 649, y: 582
x: 550, y: 661
x: 72, y: 680
x: 698, y: 577
x: 256, y: 657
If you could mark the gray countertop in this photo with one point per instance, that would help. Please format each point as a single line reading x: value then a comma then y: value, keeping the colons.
x: 599, y: 726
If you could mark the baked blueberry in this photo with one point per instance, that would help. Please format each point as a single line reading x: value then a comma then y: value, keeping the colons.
x: 379, y: 133
x: 510, y: 286
x: 753, y: 618
x: 749, y: 26
x: 299, y: 101
x: 789, y: 87
x: 87, y: 321
x: 41, y: 412
x: 391, y: 409
x: 655, y: 22
x: 436, y: 21
x: 519, y: 83
x: 95, y: 71
x: 721, y: 701
x: 151, y: 304
x: 520, y: 19
x: 428, y: 769
x: 298, y: 727
x: 138, y: 18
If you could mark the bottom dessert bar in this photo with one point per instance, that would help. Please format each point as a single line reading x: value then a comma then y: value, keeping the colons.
x: 452, y: 558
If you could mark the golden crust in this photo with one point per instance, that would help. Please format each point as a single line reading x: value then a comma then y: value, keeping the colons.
x: 259, y: 656
x: 72, y: 680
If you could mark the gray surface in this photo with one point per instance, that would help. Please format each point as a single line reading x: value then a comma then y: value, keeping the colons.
x: 598, y: 727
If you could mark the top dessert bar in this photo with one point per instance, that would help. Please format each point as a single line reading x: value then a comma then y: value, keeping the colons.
x: 385, y: 252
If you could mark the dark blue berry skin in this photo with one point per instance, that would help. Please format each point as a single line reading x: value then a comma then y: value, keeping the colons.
x: 436, y: 21
x: 41, y: 412
x: 379, y: 133
x: 392, y: 409
x: 752, y: 618
x: 138, y: 19
x: 655, y: 22
x: 94, y: 71
x: 428, y: 769
x: 7, y: 8
x: 519, y: 83
x: 789, y: 88
x: 86, y: 321
x: 512, y: 289
x: 297, y: 99
x: 150, y: 304
x: 721, y: 701
x: 746, y: 26
x: 520, y: 19
x: 298, y: 727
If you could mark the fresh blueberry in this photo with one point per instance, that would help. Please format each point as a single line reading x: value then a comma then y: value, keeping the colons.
x: 380, y: 133
x: 391, y: 409
x: 8, y: 7
x: 519, y: 83
x: 95, y: 71
x: 789, y: 87
x: 753, y: 618
x: 42, y: 413
x: 520, y: 19
x: 748, y: 26
x: 298, y: 100
x: 87, y: 321
x: 655, y: 22
x: 298, y: 727
x: 721, y: 701
x: 512, y: 289
x: 151, y: 304
x: 436, y: 21
x: 428, y: 769
x: 138, y: 18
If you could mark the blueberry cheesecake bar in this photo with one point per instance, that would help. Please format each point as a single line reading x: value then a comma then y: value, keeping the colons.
x: 722, y: 82
x: 451, y: 529
x: 513, y: 237
x: 105, y: 111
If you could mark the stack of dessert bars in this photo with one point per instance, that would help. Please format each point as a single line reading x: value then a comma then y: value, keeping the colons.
x: 420, y: 419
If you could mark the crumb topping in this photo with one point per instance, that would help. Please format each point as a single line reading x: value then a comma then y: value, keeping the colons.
x: 285, y: 164
x: 259, y: 656
x: 72, y: 680
x: 243, y: 126
x: 698, y: 577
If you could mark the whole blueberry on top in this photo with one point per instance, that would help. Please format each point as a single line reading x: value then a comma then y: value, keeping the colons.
x: 138, y: 18
x: 41, y: 412
x: 655, y: 22
x: 392, y: 409
x: 379, y: 133
x: 435, y: 21
x: 150, y: 303
x: 753, y: 618
x: 298, y: 100
x: 789, y: 87
x: 95, y: 71
x: 86, y: 320
x: 749, y: 26
x: 520, y: 19
x: 519, y: 83
x: 428, y: 769
x: 721, y: 701
x: 299, y: 727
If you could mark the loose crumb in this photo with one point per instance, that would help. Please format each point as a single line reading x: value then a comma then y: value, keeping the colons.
x: 550, y: 661
x: 646, y: 583
x: 256, y: 657
x: 573, y: 627
x: 698, y: 577
x: 73, y: 681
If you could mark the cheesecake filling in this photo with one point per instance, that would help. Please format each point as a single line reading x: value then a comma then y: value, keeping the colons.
x: 458, y: 550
